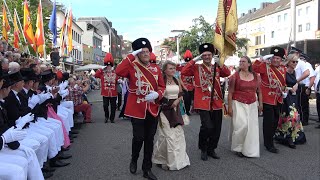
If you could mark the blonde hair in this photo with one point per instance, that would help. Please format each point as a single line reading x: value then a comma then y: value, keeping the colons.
x: 291, y: 57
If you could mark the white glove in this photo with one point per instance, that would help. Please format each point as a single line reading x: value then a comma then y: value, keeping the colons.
x: 198, y: 58
x: 134, y: 53
x: 44, y: 96
x: 12, y: 135
x: 284, y: 95
x: 267, y: 57
x: 151, y: 96
x: 76, y: 86
x: 64, y: 93
x: 120, y: 81
x: 22, y: 121
x: 33, y: 101
x: 28, y: 151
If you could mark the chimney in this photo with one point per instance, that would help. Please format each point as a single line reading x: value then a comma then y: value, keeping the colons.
x: 243, y: 14
x: 249, y: 11
x: 254, y: 9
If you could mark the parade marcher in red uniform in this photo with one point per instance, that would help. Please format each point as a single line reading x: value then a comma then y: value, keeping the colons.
x: 146, y: 89
x: 153, y: 58
x: 210, y: 114
x: 273, y: 83
x: 109, y: 91
x: 188, y: 83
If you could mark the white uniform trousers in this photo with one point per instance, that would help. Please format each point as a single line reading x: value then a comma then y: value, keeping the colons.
x: 63, y: 114
x: 55, y: 126
x: 34, y: 170
x: 42, y: 152
x: 12, y: 172
x: 70, y: 106
x: 12, y: 165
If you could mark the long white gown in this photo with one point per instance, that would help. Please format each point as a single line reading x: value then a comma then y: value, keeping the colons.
x: 170, y: 147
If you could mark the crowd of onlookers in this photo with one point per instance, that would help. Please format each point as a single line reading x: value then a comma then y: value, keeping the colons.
x: 38, y: 102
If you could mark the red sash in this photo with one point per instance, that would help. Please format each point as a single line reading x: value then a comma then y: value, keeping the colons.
x: 279, y: 75
x: 148, y: 75
x: 218, y: 91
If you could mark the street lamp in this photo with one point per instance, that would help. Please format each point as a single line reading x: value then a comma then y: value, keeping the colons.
x: 178, y: 41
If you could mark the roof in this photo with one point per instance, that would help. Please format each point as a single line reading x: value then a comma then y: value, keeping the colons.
x: 270, y: 9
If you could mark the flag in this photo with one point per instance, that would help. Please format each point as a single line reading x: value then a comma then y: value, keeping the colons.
x: 39, y: 36
x: 16, y: 32
x: 62, y: 34
x: 226, y: 28
x: 5, y: 24
x: 70, y: 32
x: 53, y: 24
x: 27, y: 26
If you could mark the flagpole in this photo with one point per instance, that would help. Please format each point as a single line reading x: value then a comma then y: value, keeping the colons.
x: 8, y: 11
x: 21, y: 30
x: 44, y: 43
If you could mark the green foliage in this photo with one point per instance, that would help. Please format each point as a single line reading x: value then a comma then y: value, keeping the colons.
x: 171, y: 44
x: 33, y: 8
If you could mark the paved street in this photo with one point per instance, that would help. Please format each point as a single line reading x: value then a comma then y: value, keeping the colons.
x: 102, y: 151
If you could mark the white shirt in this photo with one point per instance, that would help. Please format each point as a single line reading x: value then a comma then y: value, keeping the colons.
x: 300, y: 68
x: 317, y: 72
x: 306, y: 81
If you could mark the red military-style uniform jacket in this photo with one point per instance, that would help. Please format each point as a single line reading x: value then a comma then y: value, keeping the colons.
x: 273, y: 80
x: 203, y: 78
x: 109, y: 82
x: 188, y: 81
x: 142, y: 80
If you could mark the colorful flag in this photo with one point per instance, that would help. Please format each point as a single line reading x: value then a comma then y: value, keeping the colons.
x: 53, y: 24
x: 5, y: 24
x: 226, y: 28
x: 27, y: 26
x: 16, y: 32
x: 62, y: 35
x: 39, y: 36
x: 70, y: 47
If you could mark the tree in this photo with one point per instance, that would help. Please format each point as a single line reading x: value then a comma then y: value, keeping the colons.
x: 242, y: 46
x: 33, y: 8
x: 201, y: 32
x: 171, y: 44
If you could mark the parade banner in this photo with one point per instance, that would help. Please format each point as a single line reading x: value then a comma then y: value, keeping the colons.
x: 27, y: 26
x: 5, y: 24
x: 226, y: 29
x: 53, y: 24
x: 39, y: 36
x: 16, y: 32
x: 70, y: 47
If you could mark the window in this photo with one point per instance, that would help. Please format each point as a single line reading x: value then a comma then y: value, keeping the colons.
x: 258, y: 40
x: 299, y: 12
x: 307, y: 10
x: 285, y: 16
x: 300, y: 28
x: 272, y: 34
x: 279, y: 18
x: 308, y: 27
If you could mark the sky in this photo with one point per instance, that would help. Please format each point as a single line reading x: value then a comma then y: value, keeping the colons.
x: 153, y: 19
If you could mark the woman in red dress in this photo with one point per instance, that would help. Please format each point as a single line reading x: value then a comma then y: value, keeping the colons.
x: 243, y: 107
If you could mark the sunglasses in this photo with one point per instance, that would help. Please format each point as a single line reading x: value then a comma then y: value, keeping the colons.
x: 294, y: 62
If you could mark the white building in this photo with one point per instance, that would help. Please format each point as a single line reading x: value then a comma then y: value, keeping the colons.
x: 77, y: 52
x: 271, y: 25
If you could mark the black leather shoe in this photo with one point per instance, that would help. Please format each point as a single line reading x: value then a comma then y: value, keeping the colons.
x: 112, y: 121
x: 318, y: 127
x: 273, y: 150
x: 71, y: 140
x: 149, y: 175
x: 213, y: 155
x: 65, y: 149
x: 47, y: 175
x: 64, y: 156
x: 133, y: 167
x: 74, y: 132
x: 291, y: 144
x: 58, y: 164
x: 105, y: 120
x: 204, y: 155
x: 240, y: 154
x: 305, y: 123
x: 48, y: 169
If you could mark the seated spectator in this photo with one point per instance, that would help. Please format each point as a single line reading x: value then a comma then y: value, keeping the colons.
x: 76, y: 92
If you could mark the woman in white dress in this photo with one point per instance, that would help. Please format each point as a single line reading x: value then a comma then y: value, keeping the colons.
x: 243, y: 107
x: 170, y: 148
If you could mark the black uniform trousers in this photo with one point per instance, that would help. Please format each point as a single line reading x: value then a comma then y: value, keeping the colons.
x: 119, y: 100
x: 303, y: 103
x: 113, y: 102
x: 143, y: 132
x: 318, y: 105
x: 187, y: 98
x: 270, y: 122
x: 210, y: 129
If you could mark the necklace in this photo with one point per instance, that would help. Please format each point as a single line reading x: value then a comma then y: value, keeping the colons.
x: 169, y: 82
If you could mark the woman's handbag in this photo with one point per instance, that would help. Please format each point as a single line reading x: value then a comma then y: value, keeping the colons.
x: 184, y: 115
